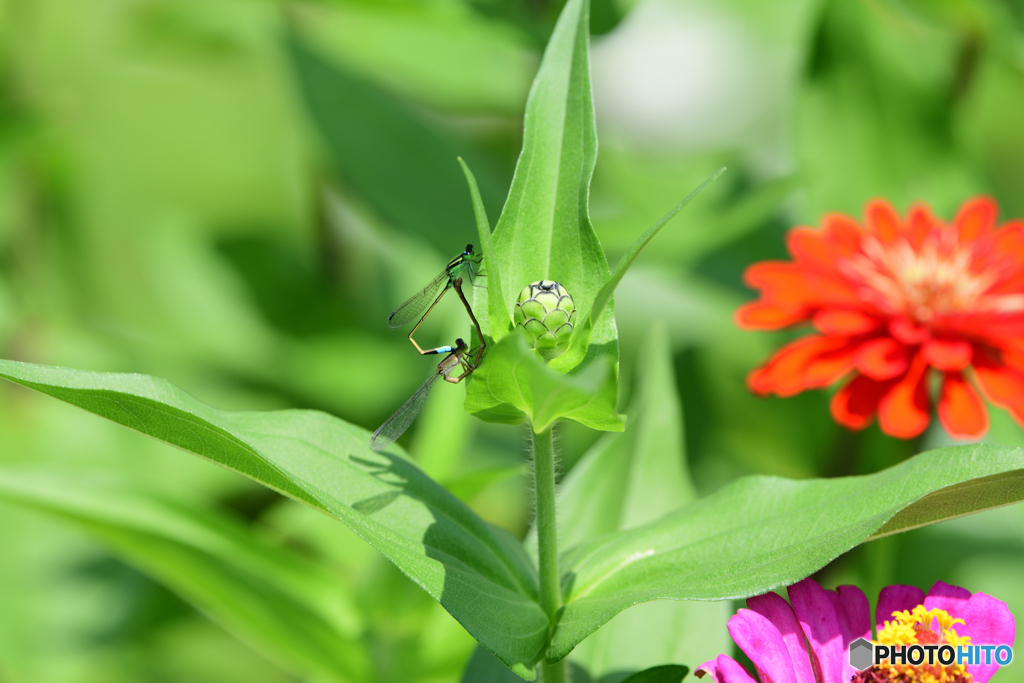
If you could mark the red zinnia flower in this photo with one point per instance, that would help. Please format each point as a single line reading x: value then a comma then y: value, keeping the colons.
x: 893, y: 300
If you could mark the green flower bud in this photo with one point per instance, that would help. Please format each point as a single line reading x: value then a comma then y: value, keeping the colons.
x: 547, y: 312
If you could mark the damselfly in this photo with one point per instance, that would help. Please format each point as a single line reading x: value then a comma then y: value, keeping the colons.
x: 458, y: 358
x: 415, y: 305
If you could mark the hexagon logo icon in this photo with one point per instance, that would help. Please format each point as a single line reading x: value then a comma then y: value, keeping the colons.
x: 861, y: 654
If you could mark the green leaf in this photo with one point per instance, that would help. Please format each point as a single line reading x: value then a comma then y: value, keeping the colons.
x: 544, y: 231
x: 638, y: 476
x: 583, y: 332
x: 452, y: 60
x: 514, y: 384
x: 484, y: 668
x: 400, y: 161
x: 668, y: 673
x: 280, y: 604
x: 498, y: 321
x: 479, y: 573
x: 760, y: 533
x: 873, y: 98
x: 627, y: 480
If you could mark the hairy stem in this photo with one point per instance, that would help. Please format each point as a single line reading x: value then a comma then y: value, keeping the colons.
x: 547, y: 543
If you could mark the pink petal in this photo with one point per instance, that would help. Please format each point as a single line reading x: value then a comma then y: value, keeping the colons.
x: 820, y: 624
x: 775, y: 608
x: 896, y: 599
x: 762, y: 642
x: 946, y: 597
x: 854, y: 615
x: 989, y: 622
x: 724, y: 669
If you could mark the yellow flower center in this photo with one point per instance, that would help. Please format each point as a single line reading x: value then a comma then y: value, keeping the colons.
x: 919, y: 627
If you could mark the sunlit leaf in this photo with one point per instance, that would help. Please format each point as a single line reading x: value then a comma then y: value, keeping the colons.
x: 498, y: 320
x: 544, y: 231
x: 760, y: 533
x: 638, y: 476
x: 479, y: 573
x: 584, y: 330
x: 624, y: 481
x: 514, y: 384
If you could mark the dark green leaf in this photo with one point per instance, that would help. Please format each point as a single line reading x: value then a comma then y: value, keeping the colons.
x: 281, y: 605
x: 668, y: 673
x: 451, y: 60
x: 397, y: 159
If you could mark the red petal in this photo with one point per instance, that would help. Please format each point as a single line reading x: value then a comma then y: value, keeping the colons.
x: 809, y: 247
x: 1003, y: 385
x: 807, y: 363
x: 960, y: 408
x: 947, y: 354
x: 844, y: 322
x: 790, y: 285
x: 904, y: 412
x: 976, y: 217
x: 854, y: 406
x: 882, y: 220
x: 829, y: 366
x: 842, y: 231
x: 921, y: 221
x: 1009, y: 239
x: 820, y: 250
x: 1013, y: 354
x: 771, y: 274
x: 1011, y: 283
x: 907, y: 331
x: 883, y: 358
x: 758, y: 315
x: 759, y: 381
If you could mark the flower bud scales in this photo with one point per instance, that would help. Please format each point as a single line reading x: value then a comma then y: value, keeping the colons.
x: 547, y: 312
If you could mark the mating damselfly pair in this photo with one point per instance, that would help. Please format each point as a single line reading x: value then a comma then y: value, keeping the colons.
x: 460, y: 360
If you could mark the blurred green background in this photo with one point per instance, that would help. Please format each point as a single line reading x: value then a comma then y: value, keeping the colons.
x: 233, y: 194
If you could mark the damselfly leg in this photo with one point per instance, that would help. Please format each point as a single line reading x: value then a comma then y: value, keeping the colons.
x: 428, y: 297
x: 413, y: 307
x: 396, y: 425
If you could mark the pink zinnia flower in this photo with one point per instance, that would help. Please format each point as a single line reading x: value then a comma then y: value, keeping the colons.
x: 775, y: 635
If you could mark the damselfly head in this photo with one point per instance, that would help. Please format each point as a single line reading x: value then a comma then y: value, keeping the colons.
x: 469, y: 250
x: 461, y: 345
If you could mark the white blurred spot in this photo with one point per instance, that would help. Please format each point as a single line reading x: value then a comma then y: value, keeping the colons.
x: 677, y: 73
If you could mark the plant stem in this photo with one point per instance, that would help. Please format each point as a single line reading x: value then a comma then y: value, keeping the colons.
x: 555, y: 673
x: 547, y: 542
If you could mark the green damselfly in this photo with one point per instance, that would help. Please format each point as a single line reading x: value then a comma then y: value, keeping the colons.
x: 458, y: 358
x: 414, y: 306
